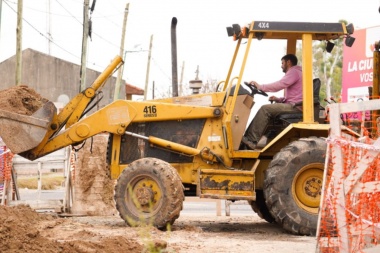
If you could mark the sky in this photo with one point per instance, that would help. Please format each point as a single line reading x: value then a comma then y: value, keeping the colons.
x: 202, y: 39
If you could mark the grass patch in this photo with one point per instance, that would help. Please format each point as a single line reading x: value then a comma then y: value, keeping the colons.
x: 49, y: 182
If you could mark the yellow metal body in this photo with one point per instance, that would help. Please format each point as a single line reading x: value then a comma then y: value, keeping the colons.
x: 217, y: 166
x: 71, y: 114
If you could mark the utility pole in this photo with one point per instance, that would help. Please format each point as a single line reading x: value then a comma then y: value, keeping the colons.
x: 120, y: 71
x: 48, y: 25
x: 153, y: 89
x: 19, y: 43
x: 1, y: 9
x: 148, y: 67
x: 84, y: 47
x: 181, y: 81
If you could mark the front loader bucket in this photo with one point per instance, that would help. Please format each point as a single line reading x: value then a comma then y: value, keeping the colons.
x: 21, y: 132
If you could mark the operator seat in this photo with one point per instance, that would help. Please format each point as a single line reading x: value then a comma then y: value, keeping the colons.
x: 281, y: 121
x: 297, y: 117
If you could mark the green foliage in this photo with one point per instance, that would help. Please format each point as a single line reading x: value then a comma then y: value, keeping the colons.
x: 327, y: 67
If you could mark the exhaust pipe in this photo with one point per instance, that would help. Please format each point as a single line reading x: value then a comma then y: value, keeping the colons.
x: 174, y: 57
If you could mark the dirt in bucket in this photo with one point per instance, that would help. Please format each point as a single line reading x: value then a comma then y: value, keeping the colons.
x: 21, y: 99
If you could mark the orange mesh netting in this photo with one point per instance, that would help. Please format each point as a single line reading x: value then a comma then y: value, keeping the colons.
x: 5, y: 171
x: 5, y: 163
x: 350, y: 208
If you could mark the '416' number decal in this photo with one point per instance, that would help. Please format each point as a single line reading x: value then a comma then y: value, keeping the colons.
x: 150, y: 111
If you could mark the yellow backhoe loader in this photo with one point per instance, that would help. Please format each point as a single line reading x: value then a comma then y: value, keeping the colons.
x: 161, y: 150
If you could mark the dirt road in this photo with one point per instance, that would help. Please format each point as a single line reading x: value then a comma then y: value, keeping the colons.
x: 196, y: 233
x: 23, y: 230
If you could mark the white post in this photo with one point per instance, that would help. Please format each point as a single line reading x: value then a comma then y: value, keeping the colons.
x: 67, y: 171
x: 39, y: 183
x: 337, y: 178
x: 4, y: 193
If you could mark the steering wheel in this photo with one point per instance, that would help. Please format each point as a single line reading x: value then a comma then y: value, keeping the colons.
x: 255, y: 90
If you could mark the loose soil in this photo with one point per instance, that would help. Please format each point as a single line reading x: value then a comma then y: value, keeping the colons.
x: 24, y: 230
x: 94, y: 190
x: 21, y: 99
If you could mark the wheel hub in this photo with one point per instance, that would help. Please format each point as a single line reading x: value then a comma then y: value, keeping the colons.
x: 313, y: 187
x: 307, y: 187
x: 144, y: 195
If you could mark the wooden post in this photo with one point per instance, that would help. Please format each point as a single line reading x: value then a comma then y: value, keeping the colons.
x: 148, y: 67
x: 153, y: 89
x: 84, y: 47
x: 48, y: 24
x: 1, y: 8
x: 120, y: 71
x: 19, y: 43
x: 181, y: 81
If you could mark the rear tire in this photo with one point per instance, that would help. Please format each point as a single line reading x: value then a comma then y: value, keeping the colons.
x: 260, y: 207
x: 293, y: 185
x: 149, y: 192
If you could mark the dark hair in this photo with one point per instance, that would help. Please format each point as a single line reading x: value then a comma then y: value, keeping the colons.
x: 290, y: 57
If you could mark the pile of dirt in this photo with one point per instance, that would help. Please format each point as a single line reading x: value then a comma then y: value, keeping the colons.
x: 21, y: 99
x: 94, y: 190
x: 21, y: 230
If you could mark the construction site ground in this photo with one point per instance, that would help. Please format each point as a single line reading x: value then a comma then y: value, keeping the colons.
x: 198, y: 229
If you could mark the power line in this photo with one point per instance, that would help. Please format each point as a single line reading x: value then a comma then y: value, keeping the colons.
x: 162, y: 71
x: 70, y: 15
x: 41, y: 11
x: 63, y: 7
x: 51, y: 40
x: 43, y: 35
x: 109, y: 42
x: 76, y: 18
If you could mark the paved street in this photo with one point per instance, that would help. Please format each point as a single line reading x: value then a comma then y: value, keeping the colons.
x: 191, y: 206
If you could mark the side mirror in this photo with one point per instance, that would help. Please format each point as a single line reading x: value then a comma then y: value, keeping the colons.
x: 349, y: 41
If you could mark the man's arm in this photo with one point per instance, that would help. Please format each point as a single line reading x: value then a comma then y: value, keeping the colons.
x: 288, y: 79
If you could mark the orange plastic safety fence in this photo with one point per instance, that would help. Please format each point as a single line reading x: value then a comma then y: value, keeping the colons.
x: 5, y: 172
x: 350, y: 209
x: 5, y: 164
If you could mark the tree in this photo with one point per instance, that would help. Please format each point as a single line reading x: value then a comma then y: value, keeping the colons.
x: 328, y: 68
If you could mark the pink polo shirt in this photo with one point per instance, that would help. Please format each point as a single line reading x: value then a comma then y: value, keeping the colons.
x: 291, y: 82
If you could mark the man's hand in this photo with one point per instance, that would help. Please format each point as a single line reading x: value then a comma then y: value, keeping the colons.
x: 275, y: 99
x: 272, y: 99
x: 254, y: 83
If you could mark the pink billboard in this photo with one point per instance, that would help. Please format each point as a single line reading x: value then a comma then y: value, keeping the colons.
x: 357, y: 73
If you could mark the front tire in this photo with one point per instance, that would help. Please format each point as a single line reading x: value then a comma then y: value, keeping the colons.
x: 293, y: 185
x: 149, y: 192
